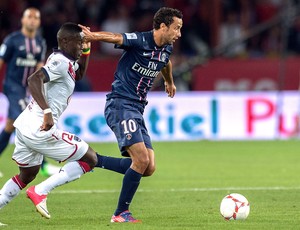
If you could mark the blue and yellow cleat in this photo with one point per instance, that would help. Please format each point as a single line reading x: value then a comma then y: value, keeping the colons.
x: 124, y: 217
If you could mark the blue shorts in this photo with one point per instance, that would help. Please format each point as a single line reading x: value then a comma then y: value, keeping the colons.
x: 17, y: 100
x: 125, y: 118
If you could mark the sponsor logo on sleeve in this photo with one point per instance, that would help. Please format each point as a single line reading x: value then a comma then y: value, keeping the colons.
x: 3, y: 48
x: 130, y: 35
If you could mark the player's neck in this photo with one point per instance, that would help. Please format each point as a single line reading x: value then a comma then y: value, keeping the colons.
x: 29, y: 34
x: 157, y: 38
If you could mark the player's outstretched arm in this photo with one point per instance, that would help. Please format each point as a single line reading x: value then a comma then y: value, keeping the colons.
x: 170, y: 87
x: 36, y: 87
x: 102, y: 36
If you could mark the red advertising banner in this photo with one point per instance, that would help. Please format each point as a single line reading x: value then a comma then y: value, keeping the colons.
x: 247, y: 75
x: 215, y: 75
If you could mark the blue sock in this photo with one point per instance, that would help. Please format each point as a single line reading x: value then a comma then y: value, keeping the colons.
x: 131, y: 182
x: 4, y: 140
x: 119, y: 165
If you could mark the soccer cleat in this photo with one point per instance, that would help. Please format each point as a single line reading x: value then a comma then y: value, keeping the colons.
x: 39, y: 201
x: 49, y: 169
x: 123, y: 217
x: 1, y: 224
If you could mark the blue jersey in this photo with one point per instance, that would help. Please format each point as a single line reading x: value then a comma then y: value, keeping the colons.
x: 138, y: 66
x: 21, y: 54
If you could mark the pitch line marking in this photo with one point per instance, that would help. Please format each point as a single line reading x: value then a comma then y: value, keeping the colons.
x: 179, y: 190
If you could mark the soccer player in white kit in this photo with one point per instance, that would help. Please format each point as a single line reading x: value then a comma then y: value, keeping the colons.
x: 37, y: 134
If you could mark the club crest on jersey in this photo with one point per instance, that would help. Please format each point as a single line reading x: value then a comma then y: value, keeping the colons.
x: 38, y: 49
x: 71, y: 72
x: 128, y: 136
x: 163, y: 57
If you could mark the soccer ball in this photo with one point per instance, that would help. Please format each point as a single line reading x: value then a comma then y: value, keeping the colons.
x: 235, y: 207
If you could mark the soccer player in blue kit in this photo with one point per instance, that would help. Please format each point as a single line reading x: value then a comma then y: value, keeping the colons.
x: 24, y: 52
x: 145, y: 55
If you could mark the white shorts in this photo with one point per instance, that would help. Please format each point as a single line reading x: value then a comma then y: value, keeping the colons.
x: 61, y: 146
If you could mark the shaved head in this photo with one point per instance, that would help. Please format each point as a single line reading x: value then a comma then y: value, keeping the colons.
x: 70, y: 39
x: 31, y: 10
x: 31, y: 21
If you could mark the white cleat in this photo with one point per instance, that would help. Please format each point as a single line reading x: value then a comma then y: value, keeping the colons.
x: 2, y: 225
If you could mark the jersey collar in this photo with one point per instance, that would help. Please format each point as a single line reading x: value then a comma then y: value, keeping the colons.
x: 56, y: 50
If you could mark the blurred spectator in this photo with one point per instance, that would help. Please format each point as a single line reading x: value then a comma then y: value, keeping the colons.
x: 90, y: 12
x: 271, y: 43
x: 117, y: 21
x: 197, y: 34
x: 247, y: 14
x: 294, y: 37
x: 267, y: 9
x: 50, y: 25
x: 5, y: 23
x: 231, y: 30
x: 254, y: 49
x: 203, y: 24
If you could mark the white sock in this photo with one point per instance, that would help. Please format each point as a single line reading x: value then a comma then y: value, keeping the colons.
x: 9, y: 191
x: 69, y: 172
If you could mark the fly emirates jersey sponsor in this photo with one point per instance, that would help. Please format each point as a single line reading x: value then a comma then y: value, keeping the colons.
x: 60, y: 71
x: 140, y: 63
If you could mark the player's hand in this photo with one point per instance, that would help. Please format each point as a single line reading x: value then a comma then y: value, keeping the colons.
x: 88, y: 35
x: 48, y: 122
x: 86, y: 45
x: 170, y: 89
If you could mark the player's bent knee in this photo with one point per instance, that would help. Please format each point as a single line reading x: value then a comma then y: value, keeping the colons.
x: 144, y: 162
x: 149, y: 171
x: 90, y: 158
x: 94, y: 161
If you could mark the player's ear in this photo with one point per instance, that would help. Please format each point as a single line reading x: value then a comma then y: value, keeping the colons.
x: 22, y: 20
x: 64, y: 43
x: 163, y: 26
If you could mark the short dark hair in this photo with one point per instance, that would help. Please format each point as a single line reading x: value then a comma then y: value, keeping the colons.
x: 68, y: 29
x: 165, y: 15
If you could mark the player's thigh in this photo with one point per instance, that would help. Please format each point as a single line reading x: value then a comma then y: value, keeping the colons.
x: 24, y: 155
x: 90, y: 157
x: 61, y: 146
x: 126, y: 121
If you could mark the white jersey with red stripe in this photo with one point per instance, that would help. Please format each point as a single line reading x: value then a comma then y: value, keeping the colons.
x: 60, y: 71
x: 31, y: 143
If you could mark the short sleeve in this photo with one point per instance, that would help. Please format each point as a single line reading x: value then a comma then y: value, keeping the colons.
x: 6, y: 49
x: 56, y: 68
x: 130, y: 40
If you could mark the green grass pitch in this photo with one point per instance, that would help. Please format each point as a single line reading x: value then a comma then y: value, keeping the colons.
x: 184, y: 193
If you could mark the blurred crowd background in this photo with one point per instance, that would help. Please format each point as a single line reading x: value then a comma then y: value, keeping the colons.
x: 207, y: 23
x: 226, y: 28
